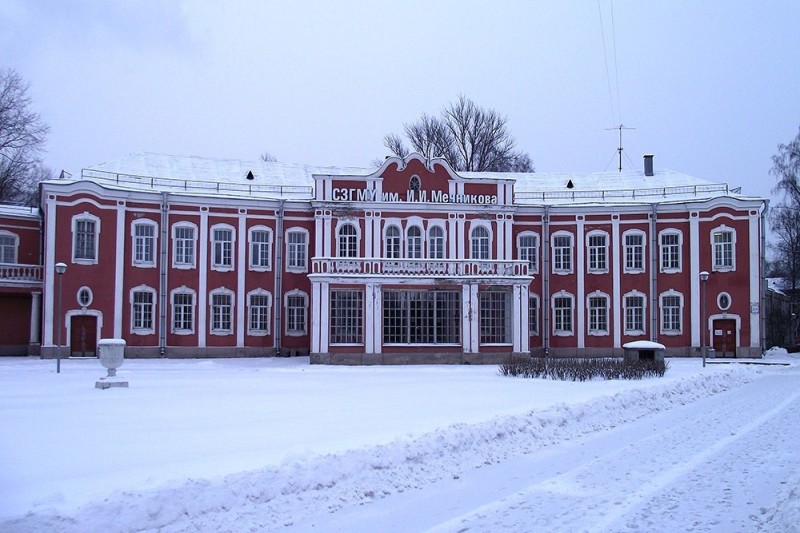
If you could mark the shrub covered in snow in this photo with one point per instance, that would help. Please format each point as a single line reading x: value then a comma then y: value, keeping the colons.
x: 584, y: 369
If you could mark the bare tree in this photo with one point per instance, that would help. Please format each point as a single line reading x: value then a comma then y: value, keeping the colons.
x: 22, y: 138
x: 469, y: 137
x: 785, y: 224
x: 268, y: 157
x: 786, y: 167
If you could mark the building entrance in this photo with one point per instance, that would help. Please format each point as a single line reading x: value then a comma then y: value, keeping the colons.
x: 83, y: 336
x: 725, y: 338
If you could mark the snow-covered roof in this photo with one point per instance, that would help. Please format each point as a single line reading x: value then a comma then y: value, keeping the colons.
x: 18, y: 211
x: 643, y: 345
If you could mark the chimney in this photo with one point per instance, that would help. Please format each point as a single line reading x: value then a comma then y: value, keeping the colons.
x: 648, y: 165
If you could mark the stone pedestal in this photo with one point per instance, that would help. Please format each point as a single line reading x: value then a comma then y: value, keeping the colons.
x: 111, y: 353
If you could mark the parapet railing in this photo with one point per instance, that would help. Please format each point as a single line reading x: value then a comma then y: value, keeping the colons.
x: 626, y: 193
x: 16, y: 273
x: 347, y: 266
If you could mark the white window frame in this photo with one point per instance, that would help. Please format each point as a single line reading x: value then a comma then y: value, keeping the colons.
x: 89, y: 296
x: 535, y: 306
x: 662, y: 248
x: 437, y: 244
x: 222, y: 266
x: 718, y: 248
x: 558, y: 259
x: 595, y: 331
x: 296, y: 250
x: 661, y: 297
x: 183, y: 290
x: 353, y: 245
x: 85, y: 216
x: 149, y: 243
x: 529, y: 253
x: 626, y: 329
x: 601, y: 252
x: 153, y: 302
x: 255, y: 332
x: 392, y: 244
x: 560, y: 332
x: 13, y: 246
x: 184, y: 265
x: 254, y: 265
x: 216, y: 329
x: 626, y: 248
x: 296, y: 293
x: 415, y: 244
x: 480, y: 246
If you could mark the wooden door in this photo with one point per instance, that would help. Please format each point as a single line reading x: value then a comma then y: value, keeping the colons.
x: 725, y: 338
x: 83, y: 336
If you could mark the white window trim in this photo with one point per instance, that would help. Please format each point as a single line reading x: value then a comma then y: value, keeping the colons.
x: 5, y: 233
x: 441, y: 226
x: 535, y: 235
x: 154, y: 225
x: 625, y: 268
x: 538, y: 307
x: 563, y: 332
x: 232, y: 295
x: 422, y: 242
x: 634, y: 332
x: 714, y: 267
x: 86, y: 216
x: 251, y: 266
x: 143, y: 331
x: 671, y: 292
x: 257, y: 332
x: 88, y: 292
x: 184, y: 266
x: 400, y: 236
x: 214, y: 265
x: 306, y: 245
x: 719, y: 301
x: 597, y: 233
x: 598, y: 332
x: 182, y: 290
x: 287, y: 331
x: 348, y: 222
x: 670, y: 231
x: 474, y: 225
x: 562, y: 271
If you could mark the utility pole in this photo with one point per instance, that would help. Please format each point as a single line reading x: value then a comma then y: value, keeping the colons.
x: 619, y: 146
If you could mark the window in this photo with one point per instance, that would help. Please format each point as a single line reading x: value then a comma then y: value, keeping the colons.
x: 597, y: 243
x: 414, y: 242
x: 562, y: 252
x: 184, y: 237
x: 633, y: 241
x: 723, y: 242
x: 9, y: 244
x: 347, y: 317
x: 85, y: 297
x: 221, y: 311
x: 533, y: 315
x: 421, y: 317
x: 528, y: 250
x: 562, y: 313
x: 260, y: 248
x: 348, y: 241
x: 598, y: 313
x: 634, y: 306
x: 222, y: 247
x: 436, y: 242
x: 670, y: 241
x: 143, y: 310
x: 480, y: 247
x: 297, y: 250
x: 414, y: 184
x: 85, y: 231
x: 671, y: 306
x: 183, y: 302
x: 144, y: 243
x: 391, y: 243
x: 724, y: 301
x: 495, y: 309
x: 296, y: 313
x: 259, y: 305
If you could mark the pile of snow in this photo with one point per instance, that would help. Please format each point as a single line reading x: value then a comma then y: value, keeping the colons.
x: 276, y: 439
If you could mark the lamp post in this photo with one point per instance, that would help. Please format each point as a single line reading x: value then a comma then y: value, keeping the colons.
x: 703, y: 324
x: 60, y: 269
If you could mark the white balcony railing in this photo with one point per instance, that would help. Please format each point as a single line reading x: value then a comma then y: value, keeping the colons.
x: 16, y: 273
x: 341, y: 266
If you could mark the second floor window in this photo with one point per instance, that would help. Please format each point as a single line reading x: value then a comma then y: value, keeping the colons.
x: 562, y: 254
x: 480, y: 243
x: 414, y: 243
x: 8, y: 248
x: 144, y: 244
x: 436, y: 243
x: 598, y: 252
x: 348, y: 241
x: 723, y: 241
x: 85, y: 240
x: 183, y: 246
x: 670, y: 252
x: 222, y: 248
x: 634, y: 252
x: 528, y: 250
x: 297, y: 250
x: 260, y: 249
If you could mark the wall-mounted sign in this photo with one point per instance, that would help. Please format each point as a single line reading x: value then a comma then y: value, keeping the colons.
x: 341, y: 194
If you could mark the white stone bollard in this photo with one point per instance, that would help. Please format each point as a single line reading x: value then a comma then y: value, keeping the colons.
x: 111, y: 353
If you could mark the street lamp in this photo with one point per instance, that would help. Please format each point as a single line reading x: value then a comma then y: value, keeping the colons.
x: 703, y: 324
x: 60, y: 269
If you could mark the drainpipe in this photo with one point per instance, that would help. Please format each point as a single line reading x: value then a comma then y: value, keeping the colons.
x: 546, y: 281
x: 278, y: 275
x: 654, y: 274
x: 763, y: 302
x: 162, y: 277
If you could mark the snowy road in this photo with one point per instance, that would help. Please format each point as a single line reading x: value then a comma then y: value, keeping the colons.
x: 722, y: 463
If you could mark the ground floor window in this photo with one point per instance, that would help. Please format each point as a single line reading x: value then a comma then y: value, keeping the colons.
x: 221, y: 312
x: 496, y: 314
x: 421, y: 317
x: 347, y: 316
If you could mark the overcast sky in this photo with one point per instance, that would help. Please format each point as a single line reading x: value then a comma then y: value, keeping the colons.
x: 711, y: 87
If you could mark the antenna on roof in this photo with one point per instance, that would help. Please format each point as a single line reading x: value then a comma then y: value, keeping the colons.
x: 619, y: 146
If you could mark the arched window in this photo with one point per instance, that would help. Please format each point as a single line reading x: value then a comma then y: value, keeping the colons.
x: 391, y: 243
x: 436, y: 242
x: 414, y: 184
x: 480, y: 243
x: 414, y: 242
x: 348, y: 240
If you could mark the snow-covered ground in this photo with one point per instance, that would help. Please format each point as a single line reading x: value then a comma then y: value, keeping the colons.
x: 261, y: 444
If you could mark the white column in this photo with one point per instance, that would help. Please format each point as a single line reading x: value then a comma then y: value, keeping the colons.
x: 372, y: 318
x: 36, y: 303
x: 694, y: 278
x: 521, y: 335
x: 326, y: 235
x: 500, y: 237
x: 316, y: 306
x: 241, y: 310
x: 324, y: 317
x: 466, y: 318
x: 755, y: 278
x: 510, y: 245
x: 49, y: 273
x: 120, y: 262
x: 202, y: 282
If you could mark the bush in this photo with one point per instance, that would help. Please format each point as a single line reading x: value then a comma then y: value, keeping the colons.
x: 583, y: 369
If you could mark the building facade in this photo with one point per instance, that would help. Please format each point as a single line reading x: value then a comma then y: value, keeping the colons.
x: 408, y: 263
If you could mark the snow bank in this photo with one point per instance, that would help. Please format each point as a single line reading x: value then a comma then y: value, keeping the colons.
x: 275, y: 496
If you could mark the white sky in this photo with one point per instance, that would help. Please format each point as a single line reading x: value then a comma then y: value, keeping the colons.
x: 711, y: 87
